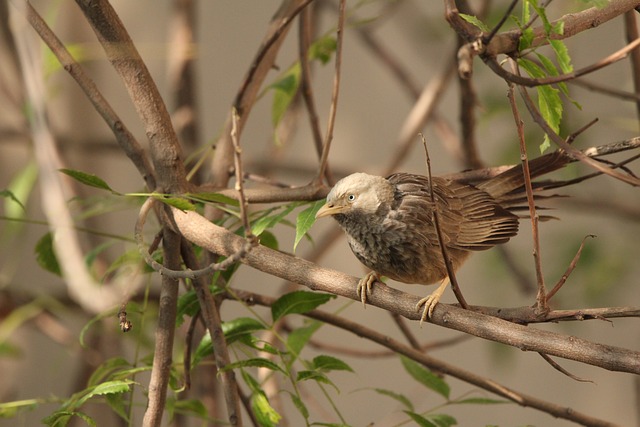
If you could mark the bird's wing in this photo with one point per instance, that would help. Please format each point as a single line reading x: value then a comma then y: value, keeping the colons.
x: 470, y: 219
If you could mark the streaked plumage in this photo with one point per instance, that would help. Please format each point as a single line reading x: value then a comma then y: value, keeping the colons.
x: 390, y: 229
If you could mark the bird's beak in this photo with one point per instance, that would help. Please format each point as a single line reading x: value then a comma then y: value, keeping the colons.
x: 330, y: 209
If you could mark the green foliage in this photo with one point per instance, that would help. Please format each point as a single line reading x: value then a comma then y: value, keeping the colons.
x: 87, y: 179
x: 549, y: 101
x: 473, y: 20
x: 305, y: 220
x: 426, y: 377
x: 46, y: 256
x: 298, y: 302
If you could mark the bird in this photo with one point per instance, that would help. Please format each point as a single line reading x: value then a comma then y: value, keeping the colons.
x: 389, y: 221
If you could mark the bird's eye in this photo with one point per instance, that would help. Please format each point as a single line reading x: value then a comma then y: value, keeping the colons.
x: 351, y: 197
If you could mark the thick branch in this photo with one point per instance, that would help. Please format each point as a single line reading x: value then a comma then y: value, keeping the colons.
x: 121, y: 52
x: 216, y: 239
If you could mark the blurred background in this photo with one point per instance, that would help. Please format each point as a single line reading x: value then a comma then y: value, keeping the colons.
x: 44, y: 357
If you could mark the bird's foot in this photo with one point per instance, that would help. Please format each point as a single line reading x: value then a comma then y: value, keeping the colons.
x: 365, y: 284
x: 430, y: 302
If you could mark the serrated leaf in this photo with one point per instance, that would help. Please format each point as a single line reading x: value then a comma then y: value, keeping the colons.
x: 305, y: 220
x: 562, y: 55
x: 313, y: 375
x: 299, y: 338
x: 257, y: 362
x: 326, y: 363
x: 241, y: 326
x: 300, y: 406
x: 473, y: 20
x: 109, y: 387
x: 87, y: 179
x: 549, y: 101
x: 46, y: 256
x: 298, y: 302
x: 270, y: 220
x: 176, y: 202
x: 61, y: 418
x: 397, y: 396
x: 426, y: 377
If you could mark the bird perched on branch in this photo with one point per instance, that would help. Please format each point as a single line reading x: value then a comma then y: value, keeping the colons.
x: 390, y: 227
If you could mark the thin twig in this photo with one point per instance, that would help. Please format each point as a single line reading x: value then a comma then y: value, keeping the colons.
x: 439, y: 365
x: 631, y: 32
x: 533, y: 82
x: 334, y: 93
x: 124, y: 137
x: 541, y: 299
x: 569, y: 270
x: 237, y: 160
x: 557, y: 367
x: 436, y: 222
x: 187, y: 273
x: 304, y: 40
x: 213, y: 238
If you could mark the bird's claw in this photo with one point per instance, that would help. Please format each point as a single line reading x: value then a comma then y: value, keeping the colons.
x: 365, y: 285
x: 429, y: 303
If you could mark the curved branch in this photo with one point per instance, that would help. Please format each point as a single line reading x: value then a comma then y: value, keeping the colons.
x: 219, y: 240
x: 125, y: 59
x: 438, y: 365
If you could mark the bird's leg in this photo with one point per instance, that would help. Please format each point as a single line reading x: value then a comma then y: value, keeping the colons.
x: 430, y: 302
x: 365, y: 284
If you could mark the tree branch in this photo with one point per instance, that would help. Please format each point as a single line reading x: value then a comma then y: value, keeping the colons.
x: 219, y: 240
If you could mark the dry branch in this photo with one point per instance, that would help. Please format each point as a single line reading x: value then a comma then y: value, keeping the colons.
x: 219, y: 240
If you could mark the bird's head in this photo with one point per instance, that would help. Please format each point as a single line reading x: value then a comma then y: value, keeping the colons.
x: 357, y: 193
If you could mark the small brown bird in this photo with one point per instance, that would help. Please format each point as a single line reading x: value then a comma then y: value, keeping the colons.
x: 390, y: 225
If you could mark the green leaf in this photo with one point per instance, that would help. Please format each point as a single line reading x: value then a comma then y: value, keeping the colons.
x: 9, y: 195
x: 299, y: 404
x: 269, y: 221
x: 46, y: 256
x: 87, y: 179
x: 398, y: 397
x: 473, y: 20
x: 269, y: 240
x: 176, y: 202
x: 313, y: 375
x: 239, y: 327
x: 432, y: 420
x: 109, y: 387
x: 188, y: 306
x: 257, y: 362
x: 322, y: 49
x: 61, y: 418
x: 480, y: 401
x: 264, y: 412
x: 299, y: 338
x: 324, y: 363
x: 285, y: 90
x: 10, y: 409
x: 426, y: 377
x: 549, y: 101
x: 298, y: 302
x: 562, y: 55
x: 305, y: 220
x: 213, y: 198
x: 106, y: 369
x: 420, y: 420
